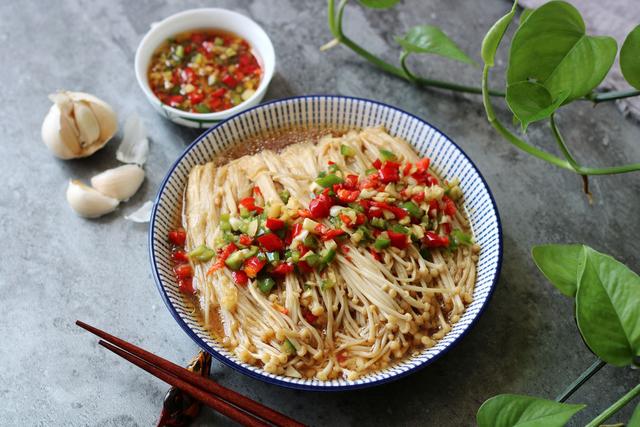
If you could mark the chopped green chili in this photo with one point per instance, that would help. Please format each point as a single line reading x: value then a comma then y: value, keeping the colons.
x: 329, y: 180
x: 202, y: 253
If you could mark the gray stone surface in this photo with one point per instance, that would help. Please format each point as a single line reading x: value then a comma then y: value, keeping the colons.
x: 57, y: 268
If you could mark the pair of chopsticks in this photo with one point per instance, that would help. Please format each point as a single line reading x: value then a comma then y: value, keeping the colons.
x: 239, y: 408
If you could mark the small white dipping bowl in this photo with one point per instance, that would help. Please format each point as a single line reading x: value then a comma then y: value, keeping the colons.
x: 197, y: 19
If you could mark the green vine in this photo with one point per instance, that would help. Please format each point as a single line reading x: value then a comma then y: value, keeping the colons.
x: 441, y: 45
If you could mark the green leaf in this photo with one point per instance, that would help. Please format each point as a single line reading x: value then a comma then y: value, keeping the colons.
x: 512, y: 410
x: 379, y: 4
x: 493, y: 37
x: 431, y: 39
x: 630, y: 58
x: 561, y: 265
x: 552, y: 49
x: 608, y: 308
x: 635, y: 418
x: 531, y: 102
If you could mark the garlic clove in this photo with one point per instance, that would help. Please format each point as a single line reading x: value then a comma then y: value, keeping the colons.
x: 103, y: 112
x: 88, y: 202
x: 55, y: 130
x: 78, y: 124
x: 87, y: 123
x: 120, y: 183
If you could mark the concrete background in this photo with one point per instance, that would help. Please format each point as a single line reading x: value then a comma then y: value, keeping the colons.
x: 57, y: 267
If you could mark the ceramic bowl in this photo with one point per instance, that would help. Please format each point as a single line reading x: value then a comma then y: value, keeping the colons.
x: 340, y: 113
x: 220, y: 19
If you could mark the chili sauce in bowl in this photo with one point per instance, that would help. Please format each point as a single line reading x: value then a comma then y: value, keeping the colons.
x: 201, y: 66
x: 204, y: 71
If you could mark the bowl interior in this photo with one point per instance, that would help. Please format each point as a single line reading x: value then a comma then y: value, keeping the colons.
x: 337, y: 113
x: 194, y: 19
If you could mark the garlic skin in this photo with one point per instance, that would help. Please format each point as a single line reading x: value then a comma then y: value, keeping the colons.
x: 134, y: 147
x: 142, y: 214
x: 119, y: 183
x: 77, y: 125
x: 88, y: 202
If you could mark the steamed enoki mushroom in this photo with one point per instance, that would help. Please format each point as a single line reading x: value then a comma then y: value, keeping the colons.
x: 368, y: 260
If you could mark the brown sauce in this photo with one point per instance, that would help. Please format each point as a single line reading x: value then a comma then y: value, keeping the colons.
x: 275, y: 140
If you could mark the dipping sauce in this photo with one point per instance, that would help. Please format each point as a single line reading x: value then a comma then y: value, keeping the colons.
x: 204, y: 71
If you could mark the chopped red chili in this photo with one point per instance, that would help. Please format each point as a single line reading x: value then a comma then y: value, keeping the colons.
x: 283, y: 269
x: 179, y: 256
x: 271, y: 242
x: 253, y: 265
x: 240, y: 278
x: 398, y: 240
x: 222, y: 257
x: 389, y: 172
x: 274, y: 224
x: 183, y: 270
x: 332, y: 234
x: 185, y: 285
x: 449, y: 206
x: 320, y: 206
x: 245, y: 240
x: 250, y: 204
x: 433, y: 240
x: 178, y: 237
x: 347, y: 196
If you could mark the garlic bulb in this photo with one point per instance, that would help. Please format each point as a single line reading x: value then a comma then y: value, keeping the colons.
x: 88, y: 202
x: 119, y: 183
x: 78, y: 124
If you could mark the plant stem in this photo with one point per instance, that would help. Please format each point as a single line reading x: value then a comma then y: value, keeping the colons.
x: 612, y: 170
x: 421, y: 81
x: 569, y: 157
x: 403, y: 64
x: 561, y: 143
x: 331, y: 16
x: 598, y: 97
x: 615, y: 407
x: 583, y: 378
x: 336, y: 30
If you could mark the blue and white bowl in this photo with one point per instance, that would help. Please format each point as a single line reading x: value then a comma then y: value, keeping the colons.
x: 338, y: 112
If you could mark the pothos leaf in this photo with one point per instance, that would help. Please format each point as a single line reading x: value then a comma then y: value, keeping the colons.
x: 494, y: 36
x: 431, y: 39
x: 512, y: 410
x: 530, y: 102
x: 379, y: 4
x: 635, y: 418
x: 561, y: 265
x: 608, y: 308
x: 552, y: 49
x: 630, y: 58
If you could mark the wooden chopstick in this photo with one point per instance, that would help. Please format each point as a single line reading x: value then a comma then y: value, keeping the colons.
x: 206, y: 398
x: 203, y: 389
